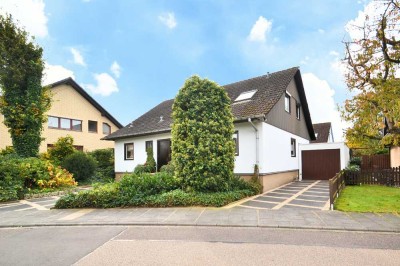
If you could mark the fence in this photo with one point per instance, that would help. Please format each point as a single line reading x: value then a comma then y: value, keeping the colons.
x: 375, y: 162
x: 336, y: 185
x: 387, y: 177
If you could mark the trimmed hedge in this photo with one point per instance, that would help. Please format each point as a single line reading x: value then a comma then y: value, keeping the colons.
x: 153, y: 190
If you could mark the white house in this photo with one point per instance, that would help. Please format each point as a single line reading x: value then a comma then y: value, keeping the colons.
x: 271, y: 120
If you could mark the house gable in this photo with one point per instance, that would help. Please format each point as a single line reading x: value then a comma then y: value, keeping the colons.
x: 288, y: 121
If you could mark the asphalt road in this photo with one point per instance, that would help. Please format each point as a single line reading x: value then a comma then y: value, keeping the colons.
x: 164, y: 245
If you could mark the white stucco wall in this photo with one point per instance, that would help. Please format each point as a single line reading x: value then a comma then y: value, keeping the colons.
x: 122, y: 165
x: 344, y: 152
x: 244, y: 163
x: 276, y: 150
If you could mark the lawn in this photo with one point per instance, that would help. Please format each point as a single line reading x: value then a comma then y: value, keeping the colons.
x: 368, y: 198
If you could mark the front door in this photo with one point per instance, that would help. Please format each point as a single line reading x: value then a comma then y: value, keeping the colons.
x: 163, y: 152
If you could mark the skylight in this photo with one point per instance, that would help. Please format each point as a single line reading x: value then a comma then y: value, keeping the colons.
x: 245, y: 95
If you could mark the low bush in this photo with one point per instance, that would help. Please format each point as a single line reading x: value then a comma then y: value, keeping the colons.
x: 140, y: 169
x: 353, y: 167
x: 168, y: 168
x: 18, y: 176
x: 355, y: 161
x: 81, y: 165
x: 63, y: 147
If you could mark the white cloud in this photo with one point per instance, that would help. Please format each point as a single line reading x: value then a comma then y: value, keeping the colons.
x: 116, y: 69
x: 333, y: 53
x: 78, y: 58
x: 260, y: 29
x: 168, y: 20
x: 30, y: 14
x: 105, y: 85
x: 322, y: 104
x: 54, y: 73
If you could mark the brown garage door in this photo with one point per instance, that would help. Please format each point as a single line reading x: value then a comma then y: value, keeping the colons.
x: 320, y: 164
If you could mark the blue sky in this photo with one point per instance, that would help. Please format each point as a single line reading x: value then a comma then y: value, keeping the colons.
x: 131, y: 55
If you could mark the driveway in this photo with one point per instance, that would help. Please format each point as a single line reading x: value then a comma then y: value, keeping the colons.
x: 308, y: 194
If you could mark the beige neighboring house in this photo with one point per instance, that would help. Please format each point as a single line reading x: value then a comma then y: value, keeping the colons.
x: 73, y: 112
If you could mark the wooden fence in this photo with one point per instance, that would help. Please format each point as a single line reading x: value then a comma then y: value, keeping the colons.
x: 387, y: 177
x: 336, y: 185
x: 375, y: 162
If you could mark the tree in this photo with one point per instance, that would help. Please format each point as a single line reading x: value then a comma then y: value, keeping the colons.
x: 24, y: 102
x: 372, y: 60
x: 202, y: 145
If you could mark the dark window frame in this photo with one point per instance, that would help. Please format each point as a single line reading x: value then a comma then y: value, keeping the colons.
x: 125, y: 151
x: 71, y: 127
x: 97, y: 126
x: 287, y: 97
x: 104, y: 123
x: 297, y: 110
x: 236, y: 140
x: 293, y: 147
x: 146, y: 146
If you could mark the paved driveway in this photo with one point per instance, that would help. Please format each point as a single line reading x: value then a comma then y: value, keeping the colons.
x: 313, y: 195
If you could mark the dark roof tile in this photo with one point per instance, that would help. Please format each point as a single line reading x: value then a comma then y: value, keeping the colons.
x: 322, y: 131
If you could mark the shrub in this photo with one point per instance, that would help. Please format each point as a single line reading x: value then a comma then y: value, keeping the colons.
x: 7, y: 151
x: 353, y: 167
x: 11, y: 184
x: 168, y: 168
x: 81, y: 165
x: 135, y: 186
x: 202, y: 145
x: 105, y: 164
x: 63, y: 147
x: 141, y: 169
x: 150, y: 162
x: 355, y: 161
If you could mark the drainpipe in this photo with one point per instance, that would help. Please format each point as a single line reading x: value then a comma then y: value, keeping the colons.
x: 257, y: 141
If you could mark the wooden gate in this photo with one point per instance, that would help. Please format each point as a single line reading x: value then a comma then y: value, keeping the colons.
x: 320, y: 164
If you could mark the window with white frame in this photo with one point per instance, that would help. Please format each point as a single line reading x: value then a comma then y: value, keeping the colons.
x: 245, y: 95
x: 293, y: 147
x: 297, y: 110
x: 129, y: 149
x: 287, y: 102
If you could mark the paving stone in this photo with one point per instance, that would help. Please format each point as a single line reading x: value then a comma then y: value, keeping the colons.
x: 266, y: 198
x: 307, y: 203
x: 259, y: 204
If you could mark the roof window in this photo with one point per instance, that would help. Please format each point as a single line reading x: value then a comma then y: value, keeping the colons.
x: 245, y: 95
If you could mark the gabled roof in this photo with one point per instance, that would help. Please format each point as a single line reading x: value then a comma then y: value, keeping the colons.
x: 84, y: 94
x: 270, y: 89
x: 322, y: 131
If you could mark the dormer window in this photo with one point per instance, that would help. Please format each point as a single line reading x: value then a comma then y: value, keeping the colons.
x: 245, y: 95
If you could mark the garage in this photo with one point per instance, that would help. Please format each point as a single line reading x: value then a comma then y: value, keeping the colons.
x: 322, y: 161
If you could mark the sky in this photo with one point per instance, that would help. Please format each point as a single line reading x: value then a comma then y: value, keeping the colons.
x: 132, y: 55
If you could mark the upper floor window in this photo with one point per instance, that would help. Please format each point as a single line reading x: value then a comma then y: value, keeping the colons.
x: 293, y: 147
x: 106, y: 129
x: 92, y: 126
x: 64, y: 123
x: 235, y: 138
x: 287, y: 102
x: 297, y: 110
x: 245, y: 95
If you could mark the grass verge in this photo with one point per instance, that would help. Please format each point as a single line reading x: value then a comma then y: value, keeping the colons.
x: 369, y: 198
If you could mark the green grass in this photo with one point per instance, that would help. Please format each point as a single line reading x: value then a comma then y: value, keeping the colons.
x: 368, y: 198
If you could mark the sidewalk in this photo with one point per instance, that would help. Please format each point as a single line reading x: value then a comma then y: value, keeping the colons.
x: 235, y: 216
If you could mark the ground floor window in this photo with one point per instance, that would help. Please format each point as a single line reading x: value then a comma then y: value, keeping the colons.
x: 149, y: 145
x: 128, y: 151
x: 235, y: 138
x: 293, y: 147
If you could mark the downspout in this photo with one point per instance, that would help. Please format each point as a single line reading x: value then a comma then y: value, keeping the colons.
x: 257, y: 142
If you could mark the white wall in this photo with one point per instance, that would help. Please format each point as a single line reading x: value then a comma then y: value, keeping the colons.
x: 122, y: 165
x: 344, y: 152
x: 244, y: 163
x: 276, y: 150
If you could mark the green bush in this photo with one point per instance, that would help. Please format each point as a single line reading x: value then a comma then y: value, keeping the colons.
x: 141, y: 169
x: 150, y: 162
x: 7, y: 151
x: 18, y: 175
x: 353, y: 167
x: 202, y: 147
x: 355, y: 161
x: 168, y: 168
x: 105, y: 164
x: 81, y: 165
x: 135, y: 186
x: 63, y: 147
